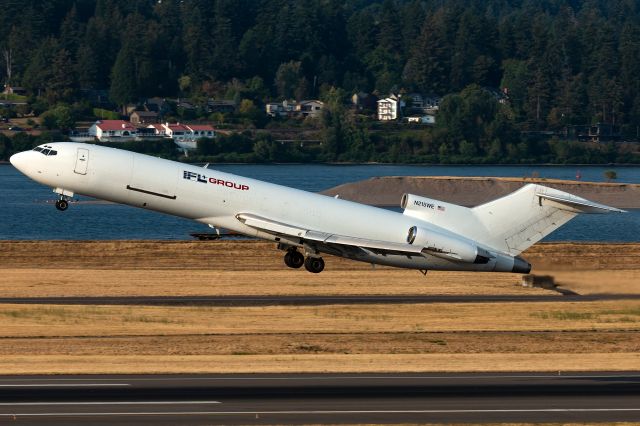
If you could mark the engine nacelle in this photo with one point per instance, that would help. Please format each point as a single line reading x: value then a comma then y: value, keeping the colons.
x: 447, y: 247
x: 415, y: 202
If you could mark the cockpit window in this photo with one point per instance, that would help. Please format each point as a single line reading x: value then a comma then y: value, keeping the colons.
x: 45, y: 150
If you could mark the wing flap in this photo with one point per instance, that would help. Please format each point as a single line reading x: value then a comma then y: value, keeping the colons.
x: 333, y: 240
x: 271, y: 226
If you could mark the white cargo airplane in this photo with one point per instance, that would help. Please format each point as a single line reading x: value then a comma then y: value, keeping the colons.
x: 428, y: 234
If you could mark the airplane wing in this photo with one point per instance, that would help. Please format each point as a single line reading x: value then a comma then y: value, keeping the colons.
x: 340, y: 243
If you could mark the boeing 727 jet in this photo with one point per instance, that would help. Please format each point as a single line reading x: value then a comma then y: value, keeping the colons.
x: 428, y: 234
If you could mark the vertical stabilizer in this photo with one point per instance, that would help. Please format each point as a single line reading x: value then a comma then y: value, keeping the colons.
x: 518, y: 220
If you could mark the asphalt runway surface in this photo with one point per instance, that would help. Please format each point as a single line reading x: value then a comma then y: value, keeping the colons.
x: 305, y: 300
x: 330, y: 398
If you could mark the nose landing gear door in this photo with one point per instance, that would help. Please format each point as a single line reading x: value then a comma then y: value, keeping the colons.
x: 82, y: 161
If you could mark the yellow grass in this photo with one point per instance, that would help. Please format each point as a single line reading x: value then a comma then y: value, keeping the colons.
x: 375, y: 363
x: 541, y: 336
x: 50, y: 320
x: 32, y: 282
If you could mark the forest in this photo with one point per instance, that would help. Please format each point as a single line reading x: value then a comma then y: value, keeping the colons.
x: 560, y: 63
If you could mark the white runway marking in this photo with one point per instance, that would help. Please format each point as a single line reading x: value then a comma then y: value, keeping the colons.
x: 11, y: 404
x: 57, y: 385
x: 307, y: 378
x: 316, y: 412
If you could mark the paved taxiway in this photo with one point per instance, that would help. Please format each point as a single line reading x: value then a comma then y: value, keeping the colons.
x: 307, y: 300
x: 282, y: 399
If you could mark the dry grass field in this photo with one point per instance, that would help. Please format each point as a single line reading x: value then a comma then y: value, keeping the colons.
x: 516, y: 336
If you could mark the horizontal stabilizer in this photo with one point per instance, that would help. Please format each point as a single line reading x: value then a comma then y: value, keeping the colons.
x: 578, y: 204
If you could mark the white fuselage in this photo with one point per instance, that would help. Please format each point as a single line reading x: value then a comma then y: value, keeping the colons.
x: 216, y: 198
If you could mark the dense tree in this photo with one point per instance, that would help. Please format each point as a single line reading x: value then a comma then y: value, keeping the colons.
x: 59, y: 117
x: 62, y: 85
x: 334, y: 125
x: 123, y: 77
x: 474, y: 122
x: 561, y: 62
x: 290, y: 82
x: 39, y: 71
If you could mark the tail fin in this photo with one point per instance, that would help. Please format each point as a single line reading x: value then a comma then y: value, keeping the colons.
x: 518, y: 220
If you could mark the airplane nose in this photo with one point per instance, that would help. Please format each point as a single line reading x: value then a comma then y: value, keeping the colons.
x: 20, y: 160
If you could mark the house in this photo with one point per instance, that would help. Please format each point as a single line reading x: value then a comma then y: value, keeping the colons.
x: 502, y: 96
x: 201, y: 131
x: 148, y: 133
x: 310, y: 108
x: 421, y: 119
x: 143, y: 117
x: 184, y: 135
x: 599, y: 132
x: 176, y: 131
x: 157, y: 105
x: 185, y: 105
x: 275, y: 109
x: 14, y: 90
x: 158, y: 128
x: 113, y: 131
x: 181, y: 135
x: 415, y: 100
x: 222, y: 106
x: 419, y: 103
x: 390, y: 108
x: 291, y: 108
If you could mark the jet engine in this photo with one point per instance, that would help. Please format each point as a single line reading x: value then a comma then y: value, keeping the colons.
x: 447, y: 247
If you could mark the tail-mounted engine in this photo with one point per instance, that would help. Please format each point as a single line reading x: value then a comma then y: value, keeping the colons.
x: 447, y: 247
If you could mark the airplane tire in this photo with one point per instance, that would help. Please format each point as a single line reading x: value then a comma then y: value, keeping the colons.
x: 62, y: 205
x: 297, y: 259
x: 314, y: 264
x: 287, y: 259
x: 293, y: 259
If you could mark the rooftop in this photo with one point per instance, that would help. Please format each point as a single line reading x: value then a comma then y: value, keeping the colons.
x: 115, y: 125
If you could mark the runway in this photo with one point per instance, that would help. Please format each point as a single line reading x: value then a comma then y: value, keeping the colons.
x: 331, y: 398
x: 306, y: 300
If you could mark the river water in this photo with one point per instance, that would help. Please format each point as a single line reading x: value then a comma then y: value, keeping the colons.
x: 28, y: 214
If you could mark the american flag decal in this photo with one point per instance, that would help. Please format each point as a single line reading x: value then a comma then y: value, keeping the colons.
x: 441, y: 208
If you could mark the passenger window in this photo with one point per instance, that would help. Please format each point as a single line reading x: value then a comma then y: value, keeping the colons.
x: 38, y: 149
x: 45, y: 152
x: 53, y: 152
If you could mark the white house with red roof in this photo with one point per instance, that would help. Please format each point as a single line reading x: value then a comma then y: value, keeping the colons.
x: 201, y: 130
x: 158, y: 128
x: 184, y: 135
x: 113, y: 131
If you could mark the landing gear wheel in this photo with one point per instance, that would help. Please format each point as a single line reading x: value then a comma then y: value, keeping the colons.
x: 297, y: 259
x: 62, y: 205
x: 314, y: 264
x: 293, y: 259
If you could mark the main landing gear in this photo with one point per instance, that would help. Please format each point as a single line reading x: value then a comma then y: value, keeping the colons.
x: 295, y: 259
